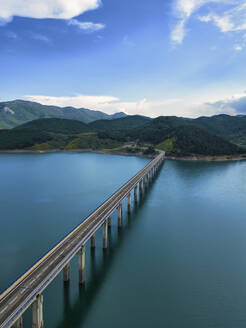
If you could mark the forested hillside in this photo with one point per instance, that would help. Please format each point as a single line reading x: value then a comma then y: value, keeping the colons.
x: 177, y: 136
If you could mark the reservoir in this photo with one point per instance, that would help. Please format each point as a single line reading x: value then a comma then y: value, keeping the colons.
x: 178, y: 261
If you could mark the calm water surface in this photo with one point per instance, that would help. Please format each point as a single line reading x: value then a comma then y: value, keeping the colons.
x: 179, y: 260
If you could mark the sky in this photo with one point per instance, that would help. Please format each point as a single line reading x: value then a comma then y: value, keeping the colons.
x: 159, y: 57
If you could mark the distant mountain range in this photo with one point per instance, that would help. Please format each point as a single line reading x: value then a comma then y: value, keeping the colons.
x: 16, y: 112
x: 38, y: 127
x: 179, y: 137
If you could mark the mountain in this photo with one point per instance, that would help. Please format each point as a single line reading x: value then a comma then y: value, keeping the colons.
x: 232, y: 128
x: 22, y: 139
x: 17, y: 112
x: 56, y: 125
x: 190, y: 140
x: 123, y: 123
x: 177, y: 136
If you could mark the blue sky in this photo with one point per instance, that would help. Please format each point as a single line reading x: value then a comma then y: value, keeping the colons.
x: 159, y: 57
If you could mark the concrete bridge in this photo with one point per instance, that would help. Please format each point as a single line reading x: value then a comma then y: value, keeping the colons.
x: 27, y: 290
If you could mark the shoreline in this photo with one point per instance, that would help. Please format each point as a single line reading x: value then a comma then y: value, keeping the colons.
x: 207, y: 158
x: 105, y: 151
x: 224, y: 158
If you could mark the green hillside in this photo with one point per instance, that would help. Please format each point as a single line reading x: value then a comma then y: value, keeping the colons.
x: 22, y: 139
x: 191, y: 140
x: 232, y: 128
x: 17, y: 112
x: 56, y: 125
x: 123, y: 123
x: 177, y: 136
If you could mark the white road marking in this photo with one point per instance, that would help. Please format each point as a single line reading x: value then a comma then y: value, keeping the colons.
x: 4, y: 309
x: 23, y: 290
x: 31, y: 282
x: 13, y: 300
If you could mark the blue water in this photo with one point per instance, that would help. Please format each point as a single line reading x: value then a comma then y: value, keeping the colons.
x: 179, y: 260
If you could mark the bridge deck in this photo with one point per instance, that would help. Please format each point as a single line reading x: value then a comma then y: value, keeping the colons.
x: 18, y: 297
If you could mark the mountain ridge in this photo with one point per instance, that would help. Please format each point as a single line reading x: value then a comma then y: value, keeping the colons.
x: 17, y: 112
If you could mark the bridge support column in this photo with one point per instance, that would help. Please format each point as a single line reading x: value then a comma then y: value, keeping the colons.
x: 129, y: 203
x: 141, y: 187
x: 105, y: 234
x: 82, y: 265
x: 120, y: 215
x: 136, y: 194
x: 66, y: 273
x: 18, y: 323
x: 93, y: 241
x: 109, y: 222
x: 37, y: 312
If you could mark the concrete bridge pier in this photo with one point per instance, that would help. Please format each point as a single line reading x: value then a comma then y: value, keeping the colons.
x: 66, y: 273
x: 135, y: 194
x: 129, y: 203
x: 141, y: 188
x: 93, y: 241
x: 37, y: 312
x: 18, y: 323
x: 105, y: 234
x: 146, y: 180
x: 120, y: 216
x: 81, y: 254
x: 109, y: 222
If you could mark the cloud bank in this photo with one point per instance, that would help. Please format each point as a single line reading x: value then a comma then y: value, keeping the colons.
x: 59, y: 9
x: 231, y: 105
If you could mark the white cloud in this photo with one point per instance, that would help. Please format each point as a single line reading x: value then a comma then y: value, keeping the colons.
x: 238, y: 47
x: 232, y: 20
x: 232, y: 105
x: 11, y: 35
x: 110, y: 104
x: 86, y: 26
x: 229, y: 21
x: 59, y: 9
x: 183, y: 11
x: 235, y: 104
x: 40, y: 37
x: 77, y: 101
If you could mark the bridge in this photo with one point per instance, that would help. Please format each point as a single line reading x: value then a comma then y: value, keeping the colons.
x: 27, y: 290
